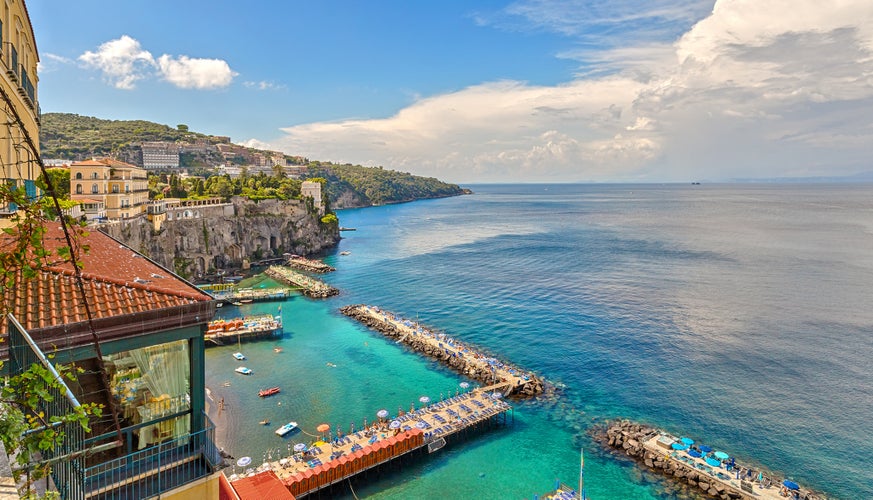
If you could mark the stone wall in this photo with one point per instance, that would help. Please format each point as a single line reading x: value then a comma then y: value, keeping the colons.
x: 226, y: 237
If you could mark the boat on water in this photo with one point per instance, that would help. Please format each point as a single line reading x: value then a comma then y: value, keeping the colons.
x: 244, y: 328
x: 246, y: 301
x: 264, y: 422
x: 243, y: 370
x: 345, y: 253
x: 347, y: 228
x: 277, y: 349
x: 285, y: 429
x: 269, y: 392
x: 239, y: 356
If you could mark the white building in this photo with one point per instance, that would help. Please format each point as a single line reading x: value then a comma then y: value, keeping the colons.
x: 160, y: 155
x: 313, y: 190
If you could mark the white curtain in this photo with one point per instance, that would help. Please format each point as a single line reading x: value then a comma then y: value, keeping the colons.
x: 165, y: 370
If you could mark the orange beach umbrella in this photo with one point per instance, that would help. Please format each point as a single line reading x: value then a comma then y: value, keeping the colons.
x: 323, y: 428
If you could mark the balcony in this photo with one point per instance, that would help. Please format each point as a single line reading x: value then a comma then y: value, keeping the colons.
x: 11, y: 61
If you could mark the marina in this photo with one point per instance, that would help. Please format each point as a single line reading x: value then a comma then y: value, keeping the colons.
x: 335, y: 457
x: 462, y: 357
x: 222, y: 331
x: 310, y: 287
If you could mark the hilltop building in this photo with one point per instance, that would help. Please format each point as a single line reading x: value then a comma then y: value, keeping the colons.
x: 160, y: 155
x: 312, y: 189
x: 123, y: 188
x: 18, y: 101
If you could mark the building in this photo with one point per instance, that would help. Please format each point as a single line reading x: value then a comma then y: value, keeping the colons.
x: 93, y: 210
x: 141, y: 356
x: 312, y: 190
x: 123, y: 188
x: 19, y: 146
x: 160, y: 155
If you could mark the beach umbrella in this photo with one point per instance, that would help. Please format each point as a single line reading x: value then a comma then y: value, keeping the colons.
x: 424, y: 399
x: 464, y: 385
x: 421, y: 424
x: 721, y: 455
x: 679, y: 446
x: 704, y: 448
x: 687, y: 441
x: 323, y: 428
x: 242, y: 462
x: 496, y: 395
x: 694, y: 453
x: 711, y: 461
x: 791, y: 485
x: 395, y: 424
x: 382, y: 413
x: 299, y: 447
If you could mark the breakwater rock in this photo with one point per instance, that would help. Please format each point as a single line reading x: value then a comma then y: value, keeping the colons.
x: 653, y: 448
x: 459, y: 356
x: 310, y: 287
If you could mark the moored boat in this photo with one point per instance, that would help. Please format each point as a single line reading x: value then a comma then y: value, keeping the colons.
x: 243, y: 370
x: 239, y: 356
x: 269, y: 392
x: 241, y: 329
x: 285, y: 429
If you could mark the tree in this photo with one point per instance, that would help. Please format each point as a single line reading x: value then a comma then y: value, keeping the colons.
x: 60, y: 179
x: 182, y: 127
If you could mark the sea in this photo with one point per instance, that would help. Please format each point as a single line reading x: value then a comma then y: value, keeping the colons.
x: 735, y: 314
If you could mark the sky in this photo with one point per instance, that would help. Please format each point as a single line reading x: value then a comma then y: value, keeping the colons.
x: 486, y: 91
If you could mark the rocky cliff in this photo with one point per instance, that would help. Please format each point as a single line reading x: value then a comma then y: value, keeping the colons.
x: 203, y: 239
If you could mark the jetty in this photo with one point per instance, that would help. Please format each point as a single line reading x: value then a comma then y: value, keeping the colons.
x: 457, y: 355
x: 311, y: 265
x: 317, y: 466
x: 230, y: 293
x: 310, y: 287
x: 713, y: 473
x: 222, y: 331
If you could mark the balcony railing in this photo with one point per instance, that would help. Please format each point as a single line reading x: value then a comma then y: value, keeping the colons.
x: 11, y: 60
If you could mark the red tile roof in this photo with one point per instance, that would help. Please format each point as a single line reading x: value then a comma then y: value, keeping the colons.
x: 117, y: 282
x: 263, y: 486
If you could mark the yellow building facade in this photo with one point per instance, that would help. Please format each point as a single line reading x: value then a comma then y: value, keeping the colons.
x: 123, y: 188
x: 18, y: 100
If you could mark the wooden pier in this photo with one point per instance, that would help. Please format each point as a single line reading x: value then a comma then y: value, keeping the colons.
x: 387, y: 439
x: 457, y: 355
x: 310, y: 287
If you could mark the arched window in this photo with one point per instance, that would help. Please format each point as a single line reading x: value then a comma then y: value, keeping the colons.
x: 115, y: 188
x: 78, y: 175
x: 94, y: 189
x: 79, y: 187
x: 94, y: 175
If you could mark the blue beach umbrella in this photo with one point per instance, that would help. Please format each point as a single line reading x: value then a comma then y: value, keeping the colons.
x: 791, y: 485
x: 721, y: 455
x: 711, y: 461
x: 679, y: 446
x: 694, y: 453
x: 687, y: 441
x: 704, y: 448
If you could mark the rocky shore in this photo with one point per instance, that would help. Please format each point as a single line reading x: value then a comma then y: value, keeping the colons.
x: 640, y: 443
x: 462, y: 358
x: 311, y: 265
x: 310, y: 287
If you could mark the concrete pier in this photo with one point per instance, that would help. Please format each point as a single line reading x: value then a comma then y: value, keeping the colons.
x: 310, y: 287
x: 457, y: 355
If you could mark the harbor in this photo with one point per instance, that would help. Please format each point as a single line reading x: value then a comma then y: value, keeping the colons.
x: 232, y: 294
x: 334, y: 456
x: 711, y: 472
x: 455, y: 354
x: 310, y: 287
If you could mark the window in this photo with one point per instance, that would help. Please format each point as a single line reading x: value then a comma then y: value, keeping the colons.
x: 94, y: 175
x: 78, y: 175
x: 78, y: 189
x: 115, y: 188
x: 94, y: 189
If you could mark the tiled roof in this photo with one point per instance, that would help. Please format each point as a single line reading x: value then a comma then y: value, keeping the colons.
x: 117, y: 281
x: 89, y: 163
x: 263, y: 486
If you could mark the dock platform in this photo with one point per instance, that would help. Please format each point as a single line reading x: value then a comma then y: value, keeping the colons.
x: 311, y: 265
x: 387, y: 439
x: 457, y: 355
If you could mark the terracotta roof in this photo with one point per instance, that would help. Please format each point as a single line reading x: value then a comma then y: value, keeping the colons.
x: 263, y: 486
x: 89, y: 163
x: 117, y: 282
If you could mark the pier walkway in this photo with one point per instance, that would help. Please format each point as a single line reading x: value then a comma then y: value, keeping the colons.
x: 458, y: 355
x: 325, y: 463
x: 310, y: 287
x: 311, y: 265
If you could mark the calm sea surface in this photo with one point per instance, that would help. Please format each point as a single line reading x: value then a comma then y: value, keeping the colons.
x: 739, y: 315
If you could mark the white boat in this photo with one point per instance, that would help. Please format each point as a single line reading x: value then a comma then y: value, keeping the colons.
x: 345, y: 253
x: 244, y: 370
x: 285, y: 429
x: 239, y: 356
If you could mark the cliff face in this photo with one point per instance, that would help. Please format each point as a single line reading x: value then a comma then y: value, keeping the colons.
x: 201, y: 240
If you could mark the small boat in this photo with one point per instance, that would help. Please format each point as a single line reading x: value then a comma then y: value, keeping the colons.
x: 243, y: 370
x: 347, y: 228
x: 268, y: 392
x: 331, y: 364
x: 239, y: 356
x: 219, y: 304
x: 226, y: 384
x: 264, y: 422
x: 236, y: 303
x: 277, y: 349
x: 285, y: 429
x: 245, y: 301
x: 345, y: 253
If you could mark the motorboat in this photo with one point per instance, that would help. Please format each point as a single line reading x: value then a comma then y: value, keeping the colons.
x: 243, y: 370
x: 268, y: 392
x: 285, y: 429
x: 239, y: 356
x: 345, y: 253
x: 265, y: 422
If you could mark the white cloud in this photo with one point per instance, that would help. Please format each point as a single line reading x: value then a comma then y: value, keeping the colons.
x: 257, y: 144
x: 756, y: 88
x: 190, y: 73
x: 122, y: 61
x: 264, y: 85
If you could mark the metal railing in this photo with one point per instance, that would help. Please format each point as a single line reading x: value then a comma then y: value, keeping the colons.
x: 157, y: 469
x: 67, y: 470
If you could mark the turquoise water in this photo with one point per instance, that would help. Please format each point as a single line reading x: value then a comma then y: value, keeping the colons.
x: 737, y: 314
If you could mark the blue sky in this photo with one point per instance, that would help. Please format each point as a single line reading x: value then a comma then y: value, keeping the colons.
x: 485, y: 91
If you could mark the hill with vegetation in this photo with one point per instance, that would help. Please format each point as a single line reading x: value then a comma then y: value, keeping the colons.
x: 75, y: 137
